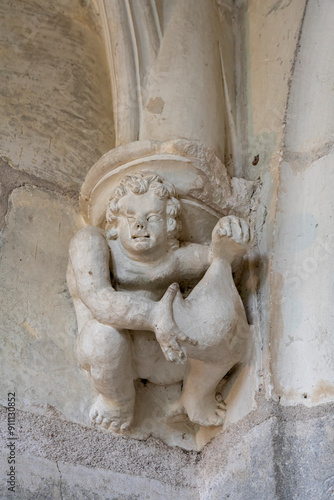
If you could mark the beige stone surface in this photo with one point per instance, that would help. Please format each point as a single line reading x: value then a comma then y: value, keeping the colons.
x: 267, y: 44
x: 43, y: 478
x: 310, y: 122
x: 56, y: 121
x: 38, y: 329
x: 302, y: 279
x: 271, y: 37
x: 172, y: 70
x: 302, y: 327
x: 56, y: 109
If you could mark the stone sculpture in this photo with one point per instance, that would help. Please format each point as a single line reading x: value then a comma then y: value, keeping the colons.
x: 133, y: 320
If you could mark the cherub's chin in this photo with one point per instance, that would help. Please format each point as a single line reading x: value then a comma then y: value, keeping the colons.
x: 141, y: 243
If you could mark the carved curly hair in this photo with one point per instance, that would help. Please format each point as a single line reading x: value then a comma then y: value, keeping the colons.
x: 141, y: 183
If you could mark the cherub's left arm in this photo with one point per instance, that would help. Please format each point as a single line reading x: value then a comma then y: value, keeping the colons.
x: 231, y: 238
x: 192, y: 260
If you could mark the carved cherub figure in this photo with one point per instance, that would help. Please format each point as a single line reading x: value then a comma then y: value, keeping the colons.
x: 133, y: 321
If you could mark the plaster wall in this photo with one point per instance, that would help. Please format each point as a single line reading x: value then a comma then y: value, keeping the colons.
x: 56, y: 117
x: 56, y: 121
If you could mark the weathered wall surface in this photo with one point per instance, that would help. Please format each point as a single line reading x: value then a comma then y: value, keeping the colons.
x: 59, y: 459
x: 56, y: 112
x: 277, y: 453
x: 268, y: 45
x: 56, y: 121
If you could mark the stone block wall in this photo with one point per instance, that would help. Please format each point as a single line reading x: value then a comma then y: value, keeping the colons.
x: 56, y: 122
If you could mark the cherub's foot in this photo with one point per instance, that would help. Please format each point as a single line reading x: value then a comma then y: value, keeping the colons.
x: 106, y: 412
x: 206, y: 411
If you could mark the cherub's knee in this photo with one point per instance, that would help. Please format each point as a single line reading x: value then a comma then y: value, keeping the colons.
x: 99, y: 344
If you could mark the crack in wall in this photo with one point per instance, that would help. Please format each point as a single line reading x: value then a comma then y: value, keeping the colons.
x: 60, y: 481
x: 12, y: 178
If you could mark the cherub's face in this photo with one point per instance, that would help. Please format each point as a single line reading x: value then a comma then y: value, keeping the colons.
x: 142, y: 225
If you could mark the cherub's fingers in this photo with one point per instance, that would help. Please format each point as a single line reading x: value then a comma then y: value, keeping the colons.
x: 174, y: 353
x: 231, y: 219
x: 237, y: 230
x: 172, y: 356
x: 225, y: 227
x: 177, y: 355
x: 169, y: 294
x: 245, y: 230
x: 169, y: 353
x: 184, y: 338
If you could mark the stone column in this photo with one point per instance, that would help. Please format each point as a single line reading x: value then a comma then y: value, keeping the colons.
x: 303, y: 266
x: 167, y: 74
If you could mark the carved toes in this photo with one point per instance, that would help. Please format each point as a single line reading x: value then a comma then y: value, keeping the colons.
x: 220, y: 416
x: 207, y: 414
x: 125, y: 426
x: 98, y: 419
x: 119, y: 426
x: 107, y: 415
x: 93, y: 413
x: 106, y: 423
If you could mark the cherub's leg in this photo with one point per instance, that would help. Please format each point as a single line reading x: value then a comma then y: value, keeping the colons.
x: 198, y: 399
x: 107, y: 354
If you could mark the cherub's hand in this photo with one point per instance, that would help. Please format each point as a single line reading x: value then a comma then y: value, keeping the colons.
x: 230, y: 237
x: 167, y: 333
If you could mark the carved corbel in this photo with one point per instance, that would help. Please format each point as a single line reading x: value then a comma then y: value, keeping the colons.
x: 160, y: 216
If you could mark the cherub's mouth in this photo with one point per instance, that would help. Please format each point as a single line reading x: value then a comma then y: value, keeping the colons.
x: 141, y: 237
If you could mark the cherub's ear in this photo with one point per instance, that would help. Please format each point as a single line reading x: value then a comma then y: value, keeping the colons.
x: 112, y: 233
x: 171, y: 224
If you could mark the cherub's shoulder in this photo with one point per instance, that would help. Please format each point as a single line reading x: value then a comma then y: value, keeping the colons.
x: 88, y: 239
x: 89, y: 232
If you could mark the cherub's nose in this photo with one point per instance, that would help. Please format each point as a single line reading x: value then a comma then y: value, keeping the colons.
x: 140, y: 224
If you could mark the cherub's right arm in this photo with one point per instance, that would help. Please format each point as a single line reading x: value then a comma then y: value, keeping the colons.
x: 90, y: 255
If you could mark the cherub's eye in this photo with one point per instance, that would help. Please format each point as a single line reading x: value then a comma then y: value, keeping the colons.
x: 131, y: 219
x: 153, y: 218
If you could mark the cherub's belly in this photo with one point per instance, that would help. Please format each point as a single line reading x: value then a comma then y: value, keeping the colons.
x: 152, y: 287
